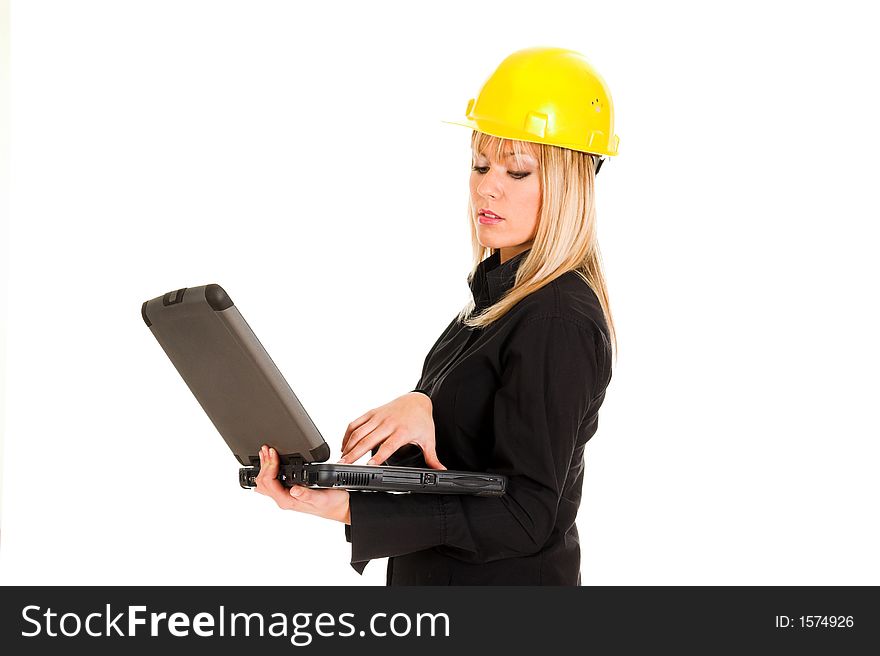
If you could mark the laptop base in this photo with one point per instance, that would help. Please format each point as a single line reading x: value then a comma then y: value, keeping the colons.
x: 379, y: 478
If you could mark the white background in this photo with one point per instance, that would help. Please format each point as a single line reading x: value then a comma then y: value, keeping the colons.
x: 294, y: 151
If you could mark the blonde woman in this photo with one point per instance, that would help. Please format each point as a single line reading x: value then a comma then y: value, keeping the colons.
x: 515, y: 382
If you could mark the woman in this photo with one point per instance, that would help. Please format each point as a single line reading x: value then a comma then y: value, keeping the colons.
x: 515, y: 382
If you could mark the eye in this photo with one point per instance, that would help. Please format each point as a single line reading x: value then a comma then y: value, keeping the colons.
x: 516, y: 175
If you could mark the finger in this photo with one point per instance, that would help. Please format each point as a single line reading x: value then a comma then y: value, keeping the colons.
x: 271, y: 462
x: 263, y: 455
x: 390, y: 445
x: 375, y: 438
x: 431, y: 458
x: 354, y: 425
x: 363, y: 432
x: 267, y: 480
x: 260, y: 477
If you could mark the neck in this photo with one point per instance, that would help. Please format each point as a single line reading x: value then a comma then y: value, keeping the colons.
x: 508, y: 252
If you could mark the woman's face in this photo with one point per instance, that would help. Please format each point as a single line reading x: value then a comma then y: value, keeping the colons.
x: 510, y: 192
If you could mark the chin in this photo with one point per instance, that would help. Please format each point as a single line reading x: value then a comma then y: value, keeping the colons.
x: 487, y: 239
x: 495, y: 243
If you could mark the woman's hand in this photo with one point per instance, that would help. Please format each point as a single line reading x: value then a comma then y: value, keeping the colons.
x: 407, y: 419
x: 332, y: 504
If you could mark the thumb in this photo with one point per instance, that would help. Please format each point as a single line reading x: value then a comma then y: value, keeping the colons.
x: 431, y: 458
x: 301, y: 493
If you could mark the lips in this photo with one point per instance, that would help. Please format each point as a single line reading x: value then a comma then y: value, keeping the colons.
x: 489, y: 213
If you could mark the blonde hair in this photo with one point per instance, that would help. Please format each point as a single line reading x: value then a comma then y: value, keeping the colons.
x: 565, y: 239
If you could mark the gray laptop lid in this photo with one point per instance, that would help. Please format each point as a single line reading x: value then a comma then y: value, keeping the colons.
x: 231, y: 375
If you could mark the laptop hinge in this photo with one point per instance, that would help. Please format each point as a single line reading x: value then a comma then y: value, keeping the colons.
x: 292, y: 473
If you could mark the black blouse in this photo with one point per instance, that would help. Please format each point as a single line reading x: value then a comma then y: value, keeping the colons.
x: 521, y: 398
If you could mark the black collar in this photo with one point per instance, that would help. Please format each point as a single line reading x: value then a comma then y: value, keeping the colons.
x: 492, y: 279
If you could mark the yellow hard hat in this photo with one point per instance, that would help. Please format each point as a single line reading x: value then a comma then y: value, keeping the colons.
x: 546, y: 95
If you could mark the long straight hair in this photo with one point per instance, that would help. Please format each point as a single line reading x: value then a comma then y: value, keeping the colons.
x: 565, y: 238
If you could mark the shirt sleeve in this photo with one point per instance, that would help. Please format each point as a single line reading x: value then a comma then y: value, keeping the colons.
x: 549, y: 373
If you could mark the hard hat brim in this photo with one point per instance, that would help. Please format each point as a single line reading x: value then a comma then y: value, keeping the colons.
x: 505, y: 132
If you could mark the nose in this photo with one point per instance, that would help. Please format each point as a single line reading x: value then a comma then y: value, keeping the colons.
x: 488, y: 187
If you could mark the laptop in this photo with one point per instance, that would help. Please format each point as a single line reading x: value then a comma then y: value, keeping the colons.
x: 250, y: 403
